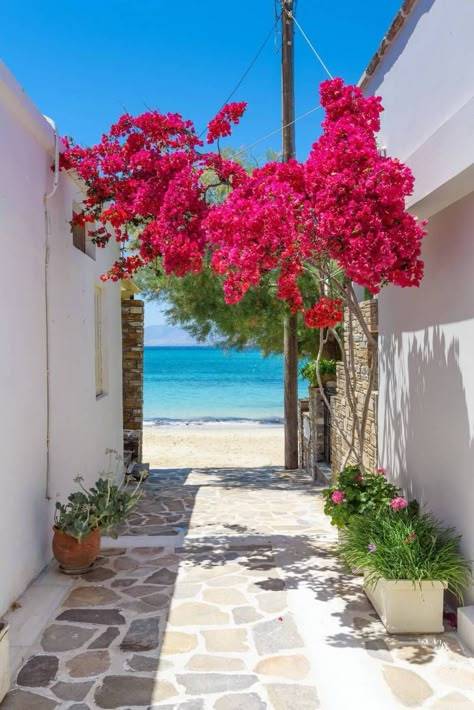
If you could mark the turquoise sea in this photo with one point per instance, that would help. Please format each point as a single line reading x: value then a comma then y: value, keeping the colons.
x: 206, y: 384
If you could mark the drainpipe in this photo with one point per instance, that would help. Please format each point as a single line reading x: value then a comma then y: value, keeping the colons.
x: 47, y: 249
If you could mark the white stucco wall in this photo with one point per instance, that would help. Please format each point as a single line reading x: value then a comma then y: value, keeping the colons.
x: 81, y: 427
x: 426, y: 81
x: 426, y: 390
x: 426, y: 402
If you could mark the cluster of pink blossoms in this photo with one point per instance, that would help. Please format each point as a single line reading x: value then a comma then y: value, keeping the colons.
x: 345, y: 203
x: 338, y: 497
x: 326, y: 313
x: 220, y: 126
x: 398, y: 503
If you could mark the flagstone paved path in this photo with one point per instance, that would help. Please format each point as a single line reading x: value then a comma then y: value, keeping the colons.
x: 236, y: 602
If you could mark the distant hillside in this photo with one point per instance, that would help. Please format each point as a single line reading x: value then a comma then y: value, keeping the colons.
x: 168, y: 335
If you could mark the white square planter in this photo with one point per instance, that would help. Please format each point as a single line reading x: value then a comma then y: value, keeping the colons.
x: 4, y: 660
x: 405, y: 608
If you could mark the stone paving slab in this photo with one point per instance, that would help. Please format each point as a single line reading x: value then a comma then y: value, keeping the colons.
x: 244, y: 615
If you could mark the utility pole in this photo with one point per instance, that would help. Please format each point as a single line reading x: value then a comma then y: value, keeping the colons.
x: 291, y: 322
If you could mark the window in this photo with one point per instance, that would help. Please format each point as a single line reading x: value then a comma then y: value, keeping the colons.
x: 99, y: 356
x: 79, y: 237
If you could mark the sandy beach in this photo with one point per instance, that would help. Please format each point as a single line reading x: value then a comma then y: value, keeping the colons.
x: 211, y: 445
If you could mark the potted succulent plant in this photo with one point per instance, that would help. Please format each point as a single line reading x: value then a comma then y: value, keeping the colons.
x: 409, y: 559
x: 79, y: 522
x: 4, y: 660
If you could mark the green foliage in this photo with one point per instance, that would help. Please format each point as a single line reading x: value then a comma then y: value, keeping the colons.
x: 196, y: 303
x: 404, y: 544
x: 361, y: 494
x: 103, y: 506
x: 327, y: 369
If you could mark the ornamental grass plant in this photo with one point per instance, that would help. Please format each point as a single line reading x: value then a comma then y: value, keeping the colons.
x: 398, y: 543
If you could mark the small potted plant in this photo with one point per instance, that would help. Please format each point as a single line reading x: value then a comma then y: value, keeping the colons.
x: 79, y: 522
x: 4, y: 660
x: 327, y: 371
x: 357, y: 493
x: 409, y: 559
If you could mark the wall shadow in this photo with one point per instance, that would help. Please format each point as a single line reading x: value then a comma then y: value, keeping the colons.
x: 425, y: 433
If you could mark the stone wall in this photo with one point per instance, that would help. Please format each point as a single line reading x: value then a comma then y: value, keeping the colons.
x: 132, y: 359
x: 341, y: 411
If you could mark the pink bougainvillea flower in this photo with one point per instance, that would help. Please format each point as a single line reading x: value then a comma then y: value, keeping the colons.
x: 358, y: 478
x: 344, y: 205
x: 371, y: 547
x: 398, y: 503
x: 326, y: 313
x: 337, y: 497
x: 220, y: 126
x: 382, y: 471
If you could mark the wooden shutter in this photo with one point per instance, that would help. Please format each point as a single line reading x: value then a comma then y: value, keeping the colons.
x: 79, y: 237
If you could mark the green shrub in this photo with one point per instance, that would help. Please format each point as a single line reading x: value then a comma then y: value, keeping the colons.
x: 356, y: 493
x: 404, y: 544
x: 327, y: 368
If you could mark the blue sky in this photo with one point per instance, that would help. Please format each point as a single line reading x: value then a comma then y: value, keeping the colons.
x: 85, y: 63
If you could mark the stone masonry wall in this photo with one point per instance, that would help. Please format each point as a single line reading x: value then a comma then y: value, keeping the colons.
x: 132, y: 359
x: 341, y: 410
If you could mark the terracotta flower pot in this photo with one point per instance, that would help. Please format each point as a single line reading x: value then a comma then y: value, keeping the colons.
x: 76, y: 557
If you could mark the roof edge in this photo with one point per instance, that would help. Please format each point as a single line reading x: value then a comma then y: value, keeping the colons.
x: 397, y: 24
x: 15, y: 99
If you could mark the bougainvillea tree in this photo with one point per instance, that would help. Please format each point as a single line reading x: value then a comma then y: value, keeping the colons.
x: 339, y: 215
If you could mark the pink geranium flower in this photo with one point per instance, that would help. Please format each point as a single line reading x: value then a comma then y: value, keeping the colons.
x: 398, y: 503
x: 382, y: 471
x: 337, y: 497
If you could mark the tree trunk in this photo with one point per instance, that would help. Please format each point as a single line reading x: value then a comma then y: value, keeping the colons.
x: 291, y: 392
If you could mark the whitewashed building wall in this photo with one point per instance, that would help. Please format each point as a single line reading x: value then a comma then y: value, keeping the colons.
x: 81, y: 425
x: 426, y: 390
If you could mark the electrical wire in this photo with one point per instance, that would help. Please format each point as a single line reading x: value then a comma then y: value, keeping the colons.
x: 250, y: 66
x: 318, y: 57
x: 320, y: 60
x: 278, y: 130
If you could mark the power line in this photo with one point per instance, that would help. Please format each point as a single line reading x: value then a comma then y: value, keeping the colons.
x: 254, y: 60
x: 318, y: 57
x: 278, y: 130
x: 250, y: 66
x: 315, y: 52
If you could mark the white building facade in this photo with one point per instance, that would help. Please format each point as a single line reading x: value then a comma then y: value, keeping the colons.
x: 61, y: 348
x: 424, y: 72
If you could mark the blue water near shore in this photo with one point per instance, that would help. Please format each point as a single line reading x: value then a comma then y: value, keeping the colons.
x: 205, y: 384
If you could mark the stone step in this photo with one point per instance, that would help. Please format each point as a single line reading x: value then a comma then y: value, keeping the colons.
x: 323, y: 473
